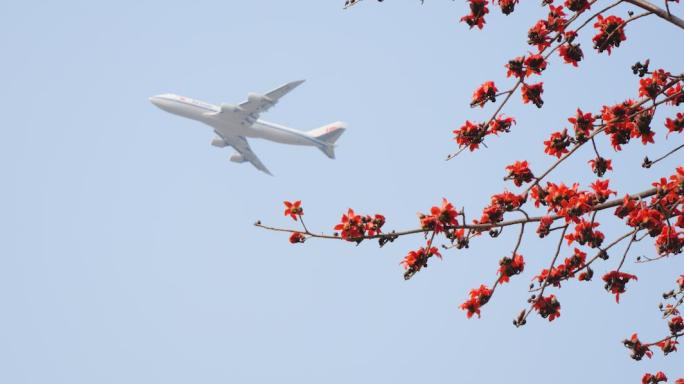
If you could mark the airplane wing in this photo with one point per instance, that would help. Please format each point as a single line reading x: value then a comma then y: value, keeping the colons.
x: 256, y: 104
x: 242, y: 147
x: 248, y: 112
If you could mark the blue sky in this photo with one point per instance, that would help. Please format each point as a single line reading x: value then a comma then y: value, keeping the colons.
x: 129, y: 254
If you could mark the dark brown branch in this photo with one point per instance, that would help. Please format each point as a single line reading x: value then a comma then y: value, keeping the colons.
x: 662, y: 13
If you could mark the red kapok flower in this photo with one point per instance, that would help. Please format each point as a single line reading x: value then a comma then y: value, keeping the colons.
x: 638, y: 349
x: 653, y: 379
x: 571, y: 53
x: 601, y: 190
x: 676, y: 325
x: 293, y: 209
x: 676, y: 124
x: 485, y: 92
x: 648, y: 88
x: 675, y: 94
x: 610, y: 33
x: 532, y: 93
x: 585, y: 234
x: 510, y: 266
x: 478, y: 298
x: 538, y: 35
x: 535, y: 64
x: 516, y: 67
x: 600, y: 165
x: 557, y: 145
x: 519, y: 172
x: 351, y: 226
x: 669, y: 241
x: 507, y: 6
x: 578, y: 6
x: 470, y: 135
x: 668, y: 346
x: 501, y: 124
x: 616, y: 282
x: 297, y: 237
x: 548, y: 307
x: 478, y: 8
x: 544, y: 226
x: 582, y: 124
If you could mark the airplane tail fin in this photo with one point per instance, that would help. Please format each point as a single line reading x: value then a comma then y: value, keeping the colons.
x: 329, y: 134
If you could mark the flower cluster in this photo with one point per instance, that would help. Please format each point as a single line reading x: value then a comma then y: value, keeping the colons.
x: 353, y: 227
x: 500, y: 203
x: 416, y: 260
x: 564, y: 271
x: 638, y: 349
x: 478, y: 297
x: 519, y: 172
x: 485, y: 92
x: 616, y: 282
x: 557, y: 145
x: 547, y: 307
x: 653, y: 379
x: 571, y: 53
x: 676, y: 124
x: 531, y: 93
x: 440, y: 219
x: 586, y: 234
x: 600, y: 166
x: 569, y: 202
x: 583, y: 125
x: 478, y: 9
x: 610, y: 33
x: 510, y: 266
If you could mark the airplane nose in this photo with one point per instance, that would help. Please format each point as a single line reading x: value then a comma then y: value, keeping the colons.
x: 158, y: 101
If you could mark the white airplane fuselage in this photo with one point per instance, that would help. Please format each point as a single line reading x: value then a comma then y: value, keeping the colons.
x: 208, y: 114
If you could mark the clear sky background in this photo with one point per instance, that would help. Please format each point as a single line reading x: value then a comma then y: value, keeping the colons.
x: 128, y: 253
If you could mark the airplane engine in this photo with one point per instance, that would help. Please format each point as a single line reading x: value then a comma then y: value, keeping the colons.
x: 237, y: 158
x: 255, y: 97
x: 218, y: 142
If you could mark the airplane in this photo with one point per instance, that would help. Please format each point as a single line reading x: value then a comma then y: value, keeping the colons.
x: 233, y: 124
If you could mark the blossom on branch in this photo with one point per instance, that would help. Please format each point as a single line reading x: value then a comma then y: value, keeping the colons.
x: 501, y: 124
x: 676, y: 124
x: 547, y: 307
x: 293, y: 209
x: 478, y: 297
x: 471, y: 135
x: 416, y: 260
x: 578, y: 6
x: 519, y: 172
x: 600, y: 165
x: 557, y: 145
x: 653, y: 379
x: 616, y: 282
x: 638, y: 349
x: 534, y: 64
x: 510, y: 266
x: 507, y: 6
x: 485, y: 92
x: 585, y: 234
x: 610, y: 33
x: 478, y: 8
x: 516, y: 67
x: 582, y: 124
x: 297, y: 237
x: 532, y: 94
